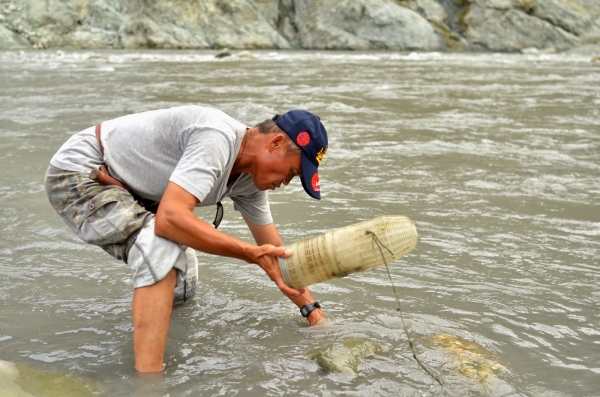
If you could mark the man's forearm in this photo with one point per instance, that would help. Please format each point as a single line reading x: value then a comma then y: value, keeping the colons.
x: 267, y: 234
x: 185, y: 228
x: 176, y: 221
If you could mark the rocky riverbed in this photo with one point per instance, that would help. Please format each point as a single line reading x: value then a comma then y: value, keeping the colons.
x: 413, y: 25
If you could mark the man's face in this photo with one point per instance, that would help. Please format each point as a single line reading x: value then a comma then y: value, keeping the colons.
x: 276, y: 167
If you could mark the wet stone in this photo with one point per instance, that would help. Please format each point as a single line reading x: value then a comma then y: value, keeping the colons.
x: 345, y: 357
x: 472, y: 360
x: 223, y: 54
x: 19, y: 380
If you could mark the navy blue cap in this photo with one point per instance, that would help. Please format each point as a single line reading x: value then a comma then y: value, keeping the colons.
x: 307, y: 131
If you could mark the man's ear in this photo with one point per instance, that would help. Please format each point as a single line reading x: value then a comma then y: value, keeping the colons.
x: 277, y: 142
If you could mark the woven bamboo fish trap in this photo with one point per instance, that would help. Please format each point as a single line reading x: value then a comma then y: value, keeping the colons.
x: 351, y: 249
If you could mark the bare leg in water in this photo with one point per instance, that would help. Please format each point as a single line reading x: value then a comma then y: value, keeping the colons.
x: 151, y: 311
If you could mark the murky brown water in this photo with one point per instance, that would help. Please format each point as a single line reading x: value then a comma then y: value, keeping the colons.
x: 495, y: 157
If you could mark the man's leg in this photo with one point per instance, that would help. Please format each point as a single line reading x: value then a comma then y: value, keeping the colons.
x: 155, y: 262
x: 109, y: 217
x: 151, y: 310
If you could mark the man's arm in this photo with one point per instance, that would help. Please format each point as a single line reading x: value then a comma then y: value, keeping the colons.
x: 176, y: 221
x: 267, y: 234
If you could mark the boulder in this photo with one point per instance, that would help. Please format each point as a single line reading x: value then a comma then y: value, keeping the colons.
x: 93, y: 38
x: 51, y: 22
x: 143, y: 32
x: 108, y: 15
x: 455, y: 10
x: 9, y: 40
x: 362, y: 25
x: 501, y: 25
x: 572, y: 16
x: 430, y: 10
x: 405, y: 25
x: 443, y: 18
x: 236, y: 24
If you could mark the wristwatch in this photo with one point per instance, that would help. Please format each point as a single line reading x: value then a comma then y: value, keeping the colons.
x: 307, y: 309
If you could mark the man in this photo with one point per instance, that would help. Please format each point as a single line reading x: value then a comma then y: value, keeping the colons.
x: 182, y: 158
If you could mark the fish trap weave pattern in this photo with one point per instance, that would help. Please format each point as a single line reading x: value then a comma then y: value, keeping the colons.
x: 351, y: 249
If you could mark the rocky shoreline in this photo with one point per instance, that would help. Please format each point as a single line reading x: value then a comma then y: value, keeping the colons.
x: 399, y: 25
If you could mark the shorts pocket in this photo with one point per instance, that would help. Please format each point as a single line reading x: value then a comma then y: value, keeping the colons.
x: 57, y: 190
x: 109, y: 218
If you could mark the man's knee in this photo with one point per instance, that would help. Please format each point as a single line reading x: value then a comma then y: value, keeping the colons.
x: 151, y: 257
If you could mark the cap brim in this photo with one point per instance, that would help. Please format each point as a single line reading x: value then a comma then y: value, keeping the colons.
x: 309, y: 170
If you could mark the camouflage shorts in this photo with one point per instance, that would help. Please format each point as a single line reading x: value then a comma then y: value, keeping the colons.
x: 109, y: 217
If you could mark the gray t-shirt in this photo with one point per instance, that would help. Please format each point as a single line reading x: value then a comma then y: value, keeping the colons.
x: 192, y: 146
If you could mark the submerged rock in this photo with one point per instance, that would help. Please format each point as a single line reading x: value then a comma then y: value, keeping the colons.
x: 472, y: 360
x: 344, y: 357
x: 246, y: 55
x: 223, y: 54
x: 18, y: 380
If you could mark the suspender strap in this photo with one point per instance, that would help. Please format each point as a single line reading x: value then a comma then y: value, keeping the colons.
x: 99, y: 138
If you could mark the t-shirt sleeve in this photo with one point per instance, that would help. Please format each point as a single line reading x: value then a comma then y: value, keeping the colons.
x: 205, y: 157
x: 255, y: 207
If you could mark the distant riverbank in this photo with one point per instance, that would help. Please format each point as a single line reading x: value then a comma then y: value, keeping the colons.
x: 400, y: 25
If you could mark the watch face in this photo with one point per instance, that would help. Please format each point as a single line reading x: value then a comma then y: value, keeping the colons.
x: 307, y: 309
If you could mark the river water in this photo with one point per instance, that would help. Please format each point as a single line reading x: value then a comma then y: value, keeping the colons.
x: 496, y: 158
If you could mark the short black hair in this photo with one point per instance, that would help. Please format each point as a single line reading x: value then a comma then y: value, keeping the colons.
x: 269, y: 126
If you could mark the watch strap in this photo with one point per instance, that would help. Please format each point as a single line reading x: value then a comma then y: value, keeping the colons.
x: 307, y: 309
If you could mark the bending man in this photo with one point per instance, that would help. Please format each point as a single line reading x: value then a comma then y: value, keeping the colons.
x: 168, y: 162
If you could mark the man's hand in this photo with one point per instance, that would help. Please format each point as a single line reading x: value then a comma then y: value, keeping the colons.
x: 266, y: 257
x: 316, y: 317
x: 267, y: 236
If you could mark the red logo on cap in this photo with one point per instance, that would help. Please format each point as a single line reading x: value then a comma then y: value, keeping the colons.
x: 303, y: 138
x: 316, y: 183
